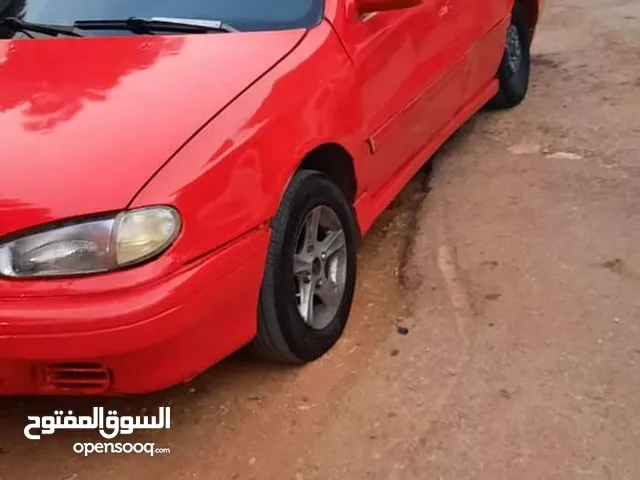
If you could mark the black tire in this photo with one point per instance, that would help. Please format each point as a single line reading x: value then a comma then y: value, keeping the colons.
x: 514, y: 84
x: 283, y: 336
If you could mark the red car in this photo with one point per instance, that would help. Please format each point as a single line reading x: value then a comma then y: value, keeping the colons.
x: 182, y: 179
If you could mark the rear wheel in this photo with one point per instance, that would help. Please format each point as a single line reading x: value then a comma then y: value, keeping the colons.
x: 515, y: 68
x: 310, y: 274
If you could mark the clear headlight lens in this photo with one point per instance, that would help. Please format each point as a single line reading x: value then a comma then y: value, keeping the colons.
x: 92, y: 246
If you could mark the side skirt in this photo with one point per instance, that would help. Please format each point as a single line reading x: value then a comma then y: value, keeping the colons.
x: 371, y: 204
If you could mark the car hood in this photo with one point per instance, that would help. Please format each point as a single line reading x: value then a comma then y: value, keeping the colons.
x: 85, y: 123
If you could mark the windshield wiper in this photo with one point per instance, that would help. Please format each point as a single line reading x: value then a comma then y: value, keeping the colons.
x: 153, y: 25
x: 18, y: 25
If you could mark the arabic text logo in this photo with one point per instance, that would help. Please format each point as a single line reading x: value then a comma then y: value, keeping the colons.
x: 109, y: 427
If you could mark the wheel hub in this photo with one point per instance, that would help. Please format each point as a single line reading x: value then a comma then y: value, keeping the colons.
x: 316, y: 267
x: 320, y: 267
x: 514, y: 49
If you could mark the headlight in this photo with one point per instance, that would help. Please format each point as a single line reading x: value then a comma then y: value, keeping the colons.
x: 92, y: 246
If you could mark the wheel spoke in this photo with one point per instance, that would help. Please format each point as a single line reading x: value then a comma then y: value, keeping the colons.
x: 302, y: 265
x: 329, y: 294
x: 307, y: 293
x: 334, y: 243
x: 311, y: 227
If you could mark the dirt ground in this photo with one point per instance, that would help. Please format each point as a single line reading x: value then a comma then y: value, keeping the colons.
x: 515, y: 268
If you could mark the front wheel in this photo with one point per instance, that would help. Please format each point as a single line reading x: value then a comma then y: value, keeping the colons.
x: 310, y: 275
x: 515, y: 68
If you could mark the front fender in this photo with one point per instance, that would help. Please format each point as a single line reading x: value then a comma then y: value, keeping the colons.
x: 230, y: 177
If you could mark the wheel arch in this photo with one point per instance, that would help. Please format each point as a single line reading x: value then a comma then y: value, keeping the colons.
x: 531, y: 11
x: 336, y: 162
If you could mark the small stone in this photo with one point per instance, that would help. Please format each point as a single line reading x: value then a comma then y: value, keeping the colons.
x: 595, y: 395
x: 615, y: 264
x: 395, y: 352
x: 525, y: 148
x: 492, y: 296
x: 504, y: 393
x: 253, y: 460
x: 403, y: 330
x: 564, y: 156
x: 490, y: 263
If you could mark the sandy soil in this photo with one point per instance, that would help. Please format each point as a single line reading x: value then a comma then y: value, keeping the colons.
x: 515, y: 268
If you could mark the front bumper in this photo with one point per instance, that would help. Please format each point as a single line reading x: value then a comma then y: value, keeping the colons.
x: 136, y: 340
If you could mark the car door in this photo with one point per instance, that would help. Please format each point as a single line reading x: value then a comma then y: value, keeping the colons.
x: 383, y: 47
x: 402, y: 58
x: 441, y: 67
x: 489, y: 34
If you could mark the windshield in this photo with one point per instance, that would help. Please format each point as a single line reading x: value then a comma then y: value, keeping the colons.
x: 244, y: 15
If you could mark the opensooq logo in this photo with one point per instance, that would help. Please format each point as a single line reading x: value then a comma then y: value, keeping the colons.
x: 109, y: 427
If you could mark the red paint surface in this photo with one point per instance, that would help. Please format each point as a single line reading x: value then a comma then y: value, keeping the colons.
x: 215, y: 125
